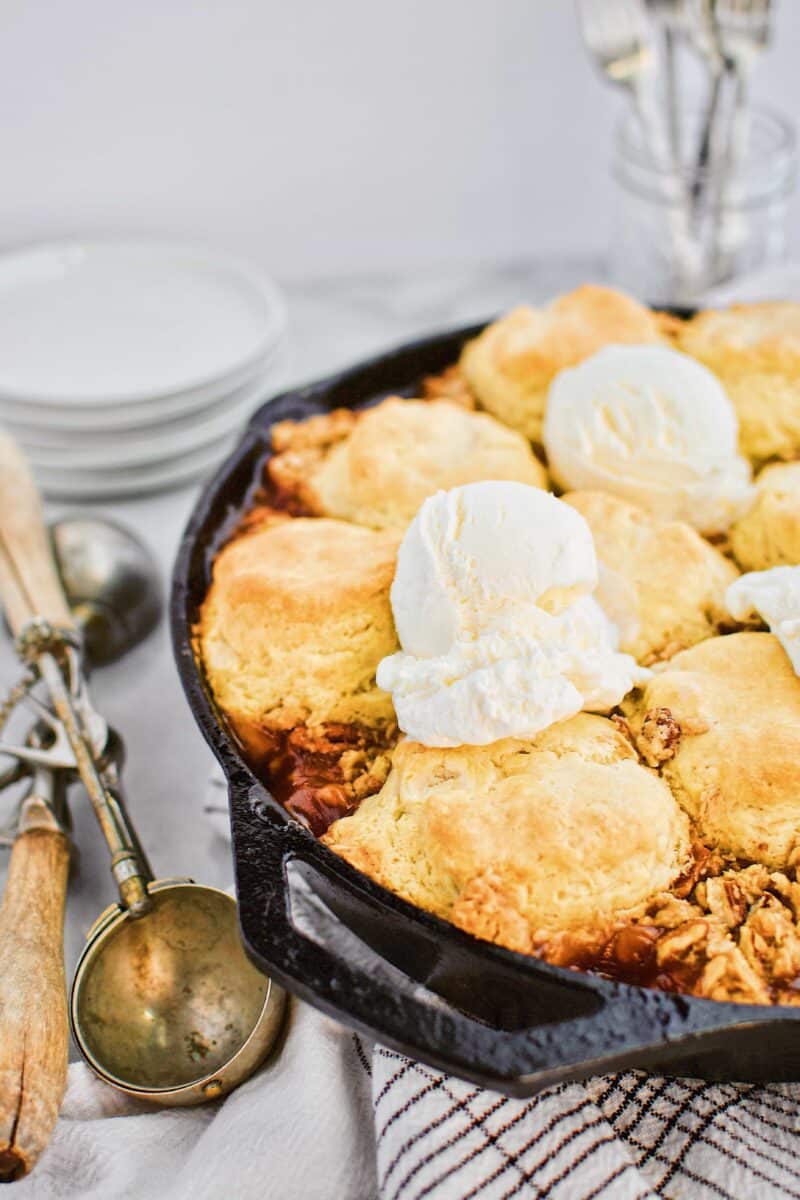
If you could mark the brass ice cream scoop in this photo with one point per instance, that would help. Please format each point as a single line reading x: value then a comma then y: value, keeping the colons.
x: 165, y: 1004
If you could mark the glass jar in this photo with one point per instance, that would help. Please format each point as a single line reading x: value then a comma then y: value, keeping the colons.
x: 680, y: 230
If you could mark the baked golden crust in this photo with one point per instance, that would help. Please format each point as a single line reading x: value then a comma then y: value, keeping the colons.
x: 754, y: 349
x: 376, y: 467
x: 295, y: 622
x: 661, y: 582
x: 511, y: 364
x: 769, y: 534
x: 517, y: 837
x: 735, y: 767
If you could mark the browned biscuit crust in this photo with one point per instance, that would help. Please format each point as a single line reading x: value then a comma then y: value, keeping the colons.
x: 754, y: 349
x: 735, y: 766
x: 517, y: 837
x: 376, y: 467
x: 661, y: 582
x: 294, y: 625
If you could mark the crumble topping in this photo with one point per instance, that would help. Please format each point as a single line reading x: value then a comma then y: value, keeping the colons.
x: 736, y: 937
x: 298, y: 448
x: 659, y: 737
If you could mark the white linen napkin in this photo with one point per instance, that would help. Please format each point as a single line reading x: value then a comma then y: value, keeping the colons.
x: 301, y: 1128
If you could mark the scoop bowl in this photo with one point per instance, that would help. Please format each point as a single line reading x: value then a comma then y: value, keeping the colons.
x: 167, y: 1007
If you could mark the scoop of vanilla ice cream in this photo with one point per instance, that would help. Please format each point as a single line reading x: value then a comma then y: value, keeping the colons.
x: 500, y: 635
x: 654, y: 427
x: 480, y: 552
x: 773, y: 595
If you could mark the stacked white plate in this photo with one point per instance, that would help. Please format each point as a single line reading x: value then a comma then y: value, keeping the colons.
x: 127, y: 367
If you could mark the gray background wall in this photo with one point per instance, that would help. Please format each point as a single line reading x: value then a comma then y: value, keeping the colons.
x: 318, y: 136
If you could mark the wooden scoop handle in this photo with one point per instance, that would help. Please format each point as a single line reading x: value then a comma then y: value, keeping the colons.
x: 35, y: 589
x: 33, y: 994
x: 33, y: 998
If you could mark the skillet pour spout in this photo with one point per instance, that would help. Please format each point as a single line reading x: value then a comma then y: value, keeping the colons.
x: 371, y: 960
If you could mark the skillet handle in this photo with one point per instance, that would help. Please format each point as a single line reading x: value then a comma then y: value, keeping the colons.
x: 560, y: 1029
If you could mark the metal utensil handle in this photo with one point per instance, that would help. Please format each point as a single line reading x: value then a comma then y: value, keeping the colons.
x: 31, y: 591
x: 33, y: 999
x: 131, y: 875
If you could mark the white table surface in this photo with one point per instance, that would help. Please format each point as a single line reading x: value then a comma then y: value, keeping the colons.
x: 332, y: 324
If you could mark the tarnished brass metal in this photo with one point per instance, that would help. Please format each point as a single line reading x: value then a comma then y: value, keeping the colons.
x: 167, y: 1006
x: 111, y: 583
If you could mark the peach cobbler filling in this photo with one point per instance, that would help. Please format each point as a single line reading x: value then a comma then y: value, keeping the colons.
x: 733, y: 935
x: 322, y: 773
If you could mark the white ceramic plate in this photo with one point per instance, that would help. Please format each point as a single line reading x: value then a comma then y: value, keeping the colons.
x: 85, y: 324
x: 73, y: 424
x: 140, y: 481
x: 140, y: 448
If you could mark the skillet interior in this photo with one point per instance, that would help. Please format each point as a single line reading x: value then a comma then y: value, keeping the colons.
x: 377, y: 963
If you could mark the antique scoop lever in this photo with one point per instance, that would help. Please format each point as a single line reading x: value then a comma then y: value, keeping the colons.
x: 48, y: 641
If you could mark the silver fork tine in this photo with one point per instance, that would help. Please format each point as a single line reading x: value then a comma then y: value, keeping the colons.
x: 615, y: 34
x: 742, y: 29
x: 618, y: 36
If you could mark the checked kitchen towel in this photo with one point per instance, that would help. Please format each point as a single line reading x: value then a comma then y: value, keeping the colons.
x: 621, y: 1137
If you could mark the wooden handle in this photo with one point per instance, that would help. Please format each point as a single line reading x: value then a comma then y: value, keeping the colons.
x: 25, y: 547
x: 33, y: 999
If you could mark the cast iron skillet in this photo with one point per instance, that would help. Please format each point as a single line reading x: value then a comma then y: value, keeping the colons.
x: 377, y: 963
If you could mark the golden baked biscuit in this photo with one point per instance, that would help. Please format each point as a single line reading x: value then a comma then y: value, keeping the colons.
x: 723, y: 719
x: 517, y: 837
x: 769, y: 534
x: 511, y: 364
x: 660, y: 582
x: 294, y: 625
x: 376, y: 466
x: 754, y: 349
